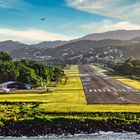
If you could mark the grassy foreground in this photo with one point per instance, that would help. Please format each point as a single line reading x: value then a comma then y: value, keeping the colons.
x: 30, y: 120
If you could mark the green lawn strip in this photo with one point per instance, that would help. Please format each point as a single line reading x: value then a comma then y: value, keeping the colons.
x: 20, y: 112
x: 125, y: 80
x: 23, y: 111
x: 91, y: 108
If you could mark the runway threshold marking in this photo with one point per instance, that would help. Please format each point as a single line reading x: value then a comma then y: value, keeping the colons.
x: 90, y: 90
x: 121, y: 98
x: 95, y: 90
x: 108, y: 90
x: 99, y: 90
x: 115, y: 93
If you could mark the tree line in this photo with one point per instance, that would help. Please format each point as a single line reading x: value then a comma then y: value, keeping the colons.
x: 130, y: 67
x: 27, y: 71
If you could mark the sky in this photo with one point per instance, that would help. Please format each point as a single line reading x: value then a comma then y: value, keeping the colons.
x: 65, y: 19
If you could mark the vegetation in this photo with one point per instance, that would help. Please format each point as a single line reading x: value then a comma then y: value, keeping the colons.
x: 30, y: 120
x: 27, y: 71
x: 130, y: 67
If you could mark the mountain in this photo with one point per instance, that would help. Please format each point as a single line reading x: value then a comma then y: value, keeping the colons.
x: 88, y: 51
x: 50, y: 44
x: 115, y: 35
x: 10, y: 45
x: 85, y: 49
x: 84, y: 46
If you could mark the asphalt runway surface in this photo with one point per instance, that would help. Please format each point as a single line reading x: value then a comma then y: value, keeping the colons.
x: 102, y: 89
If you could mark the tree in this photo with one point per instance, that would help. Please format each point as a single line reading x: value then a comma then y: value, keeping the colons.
x: 8, y: 71
x: 4, y: 56
x: 28, y: 75
x: 27, y: 71
x: 39, y: 69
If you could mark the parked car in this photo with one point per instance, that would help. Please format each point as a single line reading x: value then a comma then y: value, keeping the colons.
x: 16, y: 85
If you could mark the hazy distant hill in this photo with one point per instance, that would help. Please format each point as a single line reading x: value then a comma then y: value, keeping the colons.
x: 50, y: 44
x: 110, y: 45
x: 85, y: 46
x: 116, y: 35
x: 10, y: 45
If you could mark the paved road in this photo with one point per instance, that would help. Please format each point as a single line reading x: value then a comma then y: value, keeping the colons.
x: 100, y: 88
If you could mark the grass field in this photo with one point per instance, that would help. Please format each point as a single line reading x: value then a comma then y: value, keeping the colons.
x: 128, y: 81
x: 68, y: 98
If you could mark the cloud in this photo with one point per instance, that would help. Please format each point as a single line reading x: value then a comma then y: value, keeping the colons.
x: 30, y: 35
x: 120, y: 9
x: 107, y: 25
x: 10, y: 4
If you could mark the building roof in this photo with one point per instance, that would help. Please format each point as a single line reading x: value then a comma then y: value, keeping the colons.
x: 11, y: 82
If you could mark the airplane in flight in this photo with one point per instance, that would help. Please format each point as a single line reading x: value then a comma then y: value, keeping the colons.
x: 43, y: 19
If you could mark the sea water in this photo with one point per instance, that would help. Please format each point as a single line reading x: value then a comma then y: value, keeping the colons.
x: 95, y: 136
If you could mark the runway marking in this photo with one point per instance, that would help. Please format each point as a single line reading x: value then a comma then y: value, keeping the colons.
x: 90, y: 90
x: 115, y: 93
x: 108, y: 90
x: 86, y: 80
x: 85, y: 83
x: 129, y: 91
x: 132, y: 90
x: 124, y: 90
x: 115, y: 90
x: 127, y: 87
x: 136, y: 90
x: 104, y: 90
x: 121, y: 98
x: 119, y: 90
x: 99, y: 90
x: 95, y: 90
x: 83, y: 75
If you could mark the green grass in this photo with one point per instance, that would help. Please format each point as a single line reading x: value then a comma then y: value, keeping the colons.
x: 68, y: 98
x: 64, y: 98
x: 125, y: 80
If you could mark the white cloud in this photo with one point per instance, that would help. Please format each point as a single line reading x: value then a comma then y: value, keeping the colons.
x: 9, y: 4
x: 107, y: 25
x: 30, y: 35
x: 121, y: 9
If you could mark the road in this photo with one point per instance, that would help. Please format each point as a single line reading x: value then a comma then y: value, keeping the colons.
x: 100, y: 88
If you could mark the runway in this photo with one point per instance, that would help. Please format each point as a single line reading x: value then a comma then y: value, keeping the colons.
x: 102, y: 89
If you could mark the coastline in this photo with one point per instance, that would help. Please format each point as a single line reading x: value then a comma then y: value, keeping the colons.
x: 66, y: 125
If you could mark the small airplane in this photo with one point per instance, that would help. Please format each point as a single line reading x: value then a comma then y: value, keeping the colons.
x: 43, y: 19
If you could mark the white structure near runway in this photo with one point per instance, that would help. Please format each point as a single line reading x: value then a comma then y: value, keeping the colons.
x: 4, y: 88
